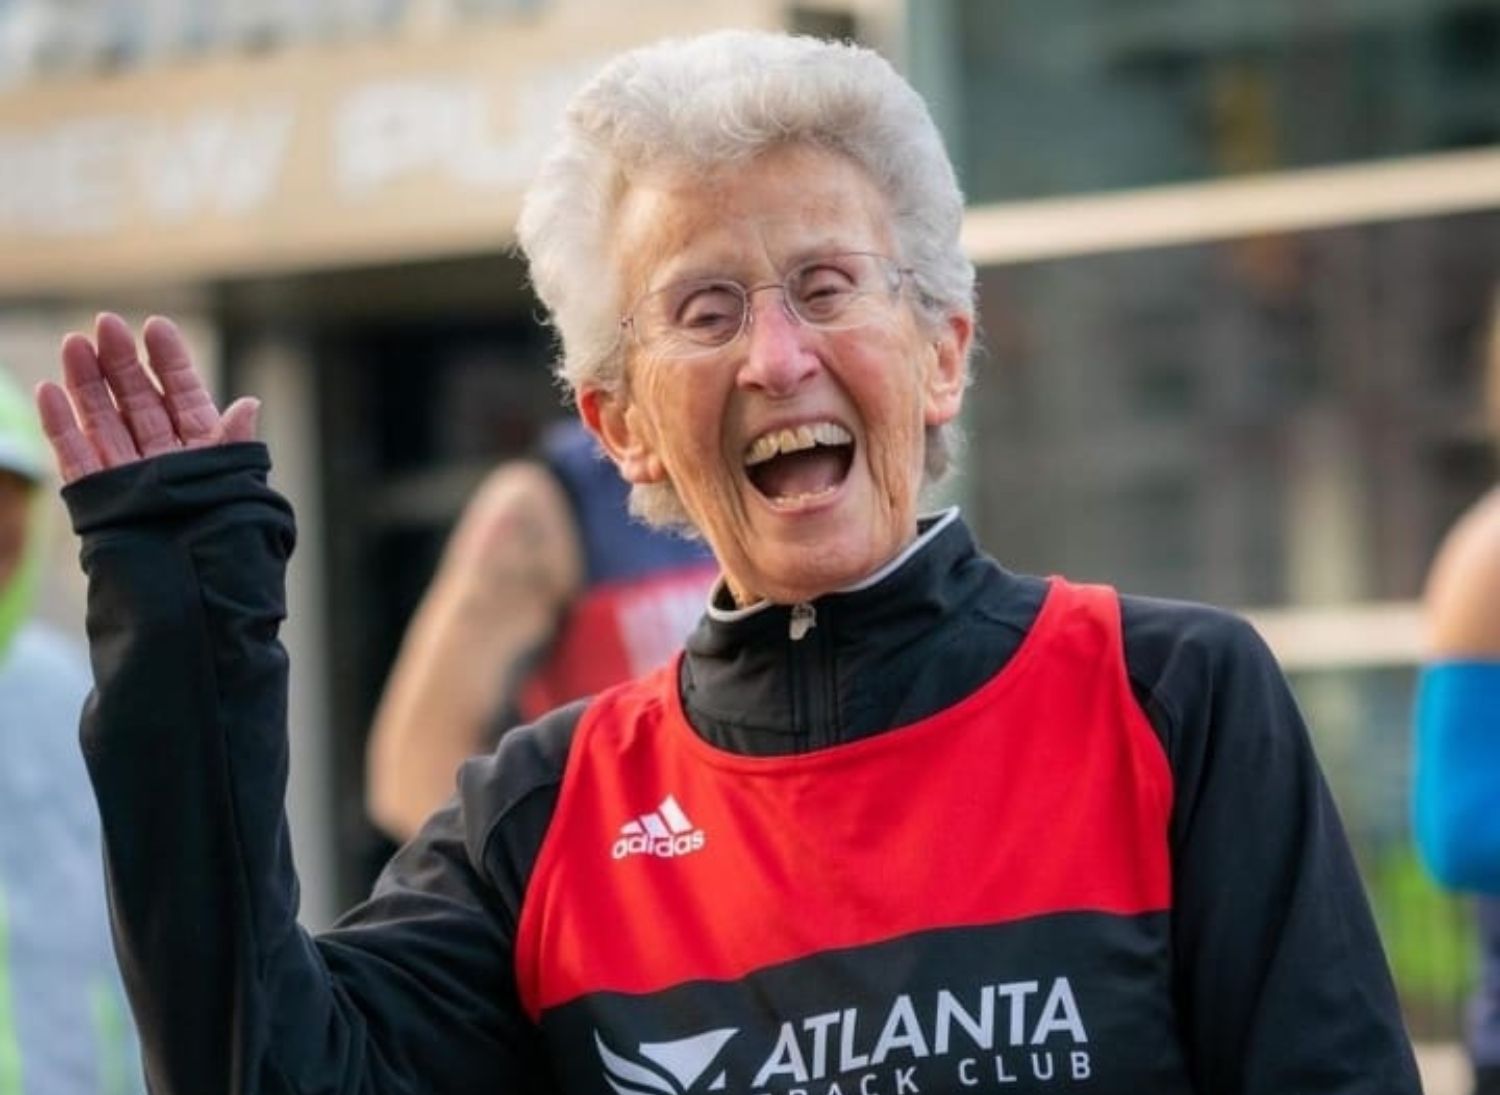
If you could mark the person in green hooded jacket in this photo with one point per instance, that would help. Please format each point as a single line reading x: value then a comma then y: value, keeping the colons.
x: 64, y: 1026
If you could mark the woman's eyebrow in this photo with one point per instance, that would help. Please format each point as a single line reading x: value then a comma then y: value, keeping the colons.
x: 678, y: 271
x: 722, y: 269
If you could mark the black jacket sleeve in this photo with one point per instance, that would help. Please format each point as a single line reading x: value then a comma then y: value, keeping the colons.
x: 1281, y: 979
x: 185, y: 738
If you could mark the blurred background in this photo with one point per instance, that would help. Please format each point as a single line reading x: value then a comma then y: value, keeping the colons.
x: 1236, y: 259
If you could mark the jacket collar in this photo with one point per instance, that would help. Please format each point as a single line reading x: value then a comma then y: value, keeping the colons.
x: 721, y: 606
x: 749, y: 685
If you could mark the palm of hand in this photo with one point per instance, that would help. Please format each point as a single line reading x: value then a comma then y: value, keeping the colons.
x: 112, y: 409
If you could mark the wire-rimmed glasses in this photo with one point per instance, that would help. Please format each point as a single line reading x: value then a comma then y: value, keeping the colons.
x: 830, y: 293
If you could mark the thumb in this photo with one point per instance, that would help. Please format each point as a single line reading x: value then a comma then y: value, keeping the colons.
x: 240, y: 419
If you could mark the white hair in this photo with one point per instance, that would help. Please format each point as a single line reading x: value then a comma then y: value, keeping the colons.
x: 701, y: 103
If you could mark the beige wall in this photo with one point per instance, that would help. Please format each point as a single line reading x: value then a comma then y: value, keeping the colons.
x: 311, y: 157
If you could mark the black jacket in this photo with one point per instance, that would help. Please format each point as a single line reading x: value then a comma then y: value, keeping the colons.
x: 1278, y: 978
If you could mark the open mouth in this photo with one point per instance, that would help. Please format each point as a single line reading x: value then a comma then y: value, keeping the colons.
x: 801, y: 464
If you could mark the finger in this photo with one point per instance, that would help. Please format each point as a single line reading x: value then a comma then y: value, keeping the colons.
x: 239, y: 420
x: 191, y: 409
x: 140, y: 403
x: 73, y: 451
x: 97, y: 414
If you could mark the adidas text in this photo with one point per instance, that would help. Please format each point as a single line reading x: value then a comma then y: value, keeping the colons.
x: 666, y: 847
x: 664, y: 832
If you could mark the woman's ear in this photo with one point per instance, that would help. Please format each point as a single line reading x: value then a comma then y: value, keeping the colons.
x: 622, y: 430
x: 946, y: 372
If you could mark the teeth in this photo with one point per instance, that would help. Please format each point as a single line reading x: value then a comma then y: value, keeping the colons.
x: 796, y: 501
x: 778, y: 442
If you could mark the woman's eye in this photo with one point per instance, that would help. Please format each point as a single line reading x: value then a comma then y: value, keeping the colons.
x: 823, y: 288
x: 708, y: 309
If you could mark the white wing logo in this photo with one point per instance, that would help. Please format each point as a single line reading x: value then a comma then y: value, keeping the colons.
x: 666, y: 1068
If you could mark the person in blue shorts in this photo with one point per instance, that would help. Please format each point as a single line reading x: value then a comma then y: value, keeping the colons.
x: 1457, y: 795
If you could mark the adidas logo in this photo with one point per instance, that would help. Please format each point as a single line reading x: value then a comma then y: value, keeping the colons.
x: 667, y: 1068
x: 665, y: 831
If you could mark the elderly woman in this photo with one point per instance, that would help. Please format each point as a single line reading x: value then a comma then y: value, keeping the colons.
x: 897, y: 821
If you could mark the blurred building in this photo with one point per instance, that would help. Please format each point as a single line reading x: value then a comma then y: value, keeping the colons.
x: 1236, y: 257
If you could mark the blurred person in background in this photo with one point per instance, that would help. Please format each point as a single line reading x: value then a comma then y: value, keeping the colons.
x: 1457, y: 794
x: 548, y: 590
x: 897, y: 821
x: 64, y: 1026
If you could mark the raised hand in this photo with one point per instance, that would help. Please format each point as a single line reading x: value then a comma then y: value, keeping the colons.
x: 117, y: 410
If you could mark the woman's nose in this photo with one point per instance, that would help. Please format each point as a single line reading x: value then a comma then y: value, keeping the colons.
x: 779, y: 352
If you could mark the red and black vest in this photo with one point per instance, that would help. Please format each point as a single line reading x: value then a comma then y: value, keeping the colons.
x: 978, y: 901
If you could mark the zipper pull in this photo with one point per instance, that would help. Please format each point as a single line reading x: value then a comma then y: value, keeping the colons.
x: 804, y: 619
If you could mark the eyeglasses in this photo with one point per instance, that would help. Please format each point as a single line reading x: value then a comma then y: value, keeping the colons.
x: 829, y: 293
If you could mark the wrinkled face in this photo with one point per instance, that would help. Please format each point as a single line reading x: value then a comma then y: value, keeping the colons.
x: 797, y: 451
x: 15, y: 504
